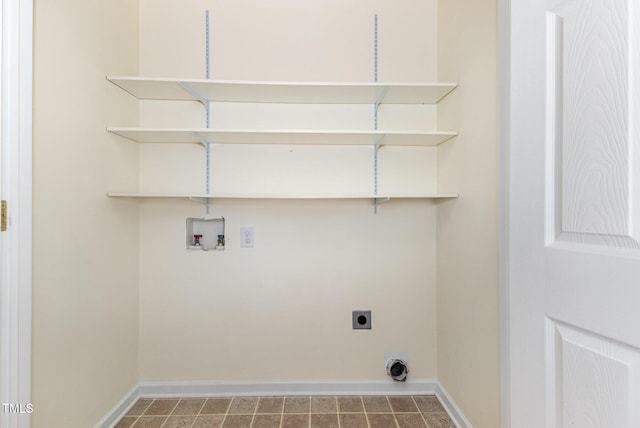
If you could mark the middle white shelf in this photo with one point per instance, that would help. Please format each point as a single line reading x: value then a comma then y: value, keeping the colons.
x: 283, y: 136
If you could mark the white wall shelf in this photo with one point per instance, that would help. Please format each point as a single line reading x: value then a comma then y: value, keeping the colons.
x: 203, y: 196
x: 206, y: 91
x: 284, y: 136
x: 146, y: 88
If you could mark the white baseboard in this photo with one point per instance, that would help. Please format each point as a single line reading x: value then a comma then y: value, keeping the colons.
x: 318, y: 387
x: 451, y: 408
x: 120, y: 409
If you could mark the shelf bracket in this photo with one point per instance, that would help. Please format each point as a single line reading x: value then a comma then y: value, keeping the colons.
x: 200, y: 200
x: 378, y: 201
x: 201, y: 139
x: 197, y: 95
x: 381, y: 96
x: 376, y: 106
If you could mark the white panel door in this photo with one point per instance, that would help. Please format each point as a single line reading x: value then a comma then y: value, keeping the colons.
x: 574, y: 214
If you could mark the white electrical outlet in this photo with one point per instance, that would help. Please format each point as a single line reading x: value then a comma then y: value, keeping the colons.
x: 246, y: 237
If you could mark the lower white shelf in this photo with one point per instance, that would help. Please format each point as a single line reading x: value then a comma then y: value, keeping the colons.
x: 197, y: 196
x: 284, y: 136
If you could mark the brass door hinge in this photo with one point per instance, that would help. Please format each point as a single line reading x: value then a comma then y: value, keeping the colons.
x: 4, y: 216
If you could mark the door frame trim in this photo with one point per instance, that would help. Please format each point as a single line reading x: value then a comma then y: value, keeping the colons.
x: 16, y: 259
x: 504, y: 177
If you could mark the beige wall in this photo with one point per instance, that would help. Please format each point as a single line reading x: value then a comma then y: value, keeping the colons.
x: 282, y: 310
x: 117, y: 299
x: 85, y: 246
x: 467, y: 278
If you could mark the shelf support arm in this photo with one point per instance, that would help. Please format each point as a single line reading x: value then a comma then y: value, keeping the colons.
x: 200, y: 200
x: 376, y: 106
x: 201, y: 139
x: 197, y: 95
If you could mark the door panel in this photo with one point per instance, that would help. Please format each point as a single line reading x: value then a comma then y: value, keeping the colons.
x: 595, y: 377
x: 591, y: 136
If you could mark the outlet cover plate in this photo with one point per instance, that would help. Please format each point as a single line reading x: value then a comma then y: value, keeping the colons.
x: 246, y: 237
x: 361, y: 320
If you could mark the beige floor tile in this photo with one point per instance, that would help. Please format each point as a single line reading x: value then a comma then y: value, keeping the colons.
x: 237, y: 421
x: 150, y: 422
x: 295, y: 421
x: 350, y: 405
x: 438, y: 420
x: 323, y: 404
x: 189, y: 406
x: 353, y: 420
x: 208, y: 421
x: 243, y: 405
x: 161, y: 407
x: 297, y: 405
x: 127, y: 422
x: 376, y: 404
x: 215, y: 406
x: 179, y: 421
x: 270, y: 405
x: 140, y: 406
x: 403, y: 404
x: 410, y: 420
x: 324, y: 421
x: 428, y: 403
x: 381, y: 420
x: 266, y: 421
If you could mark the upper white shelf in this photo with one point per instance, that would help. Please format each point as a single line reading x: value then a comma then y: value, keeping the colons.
x: 283, y: 92
x: 284, y: 136
x: 201, y: 196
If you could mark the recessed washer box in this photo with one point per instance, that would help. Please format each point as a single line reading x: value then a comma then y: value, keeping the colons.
x: 204, y: 234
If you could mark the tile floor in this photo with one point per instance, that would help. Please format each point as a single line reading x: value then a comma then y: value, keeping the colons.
x: 289, y: 412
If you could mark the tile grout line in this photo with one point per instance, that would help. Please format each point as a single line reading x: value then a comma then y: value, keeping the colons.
x: 421, y: 413
x: 166, y: 417
x: 364, y: 409
x: 142, y: 413
x: 135, y: 416
x: 173, y: 410
x: 224, y: 418
x: 197, y: 414
x: 393, y: 412
x: 284, y: 403
x: 255, y: 410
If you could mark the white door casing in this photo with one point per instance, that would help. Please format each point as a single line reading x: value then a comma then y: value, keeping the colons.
x: 15, y: 184
x: 573, y: 245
